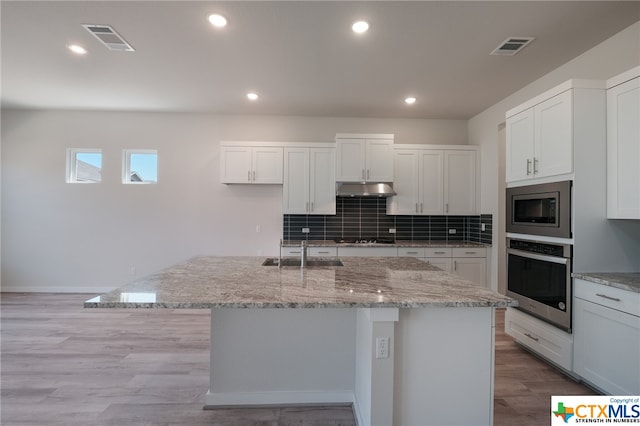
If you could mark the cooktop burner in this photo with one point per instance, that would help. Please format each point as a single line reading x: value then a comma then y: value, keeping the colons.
x: 365, y: 241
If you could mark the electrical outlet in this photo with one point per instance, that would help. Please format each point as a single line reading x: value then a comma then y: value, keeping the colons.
x: 132, y: 271
x: 305, y: 230
x: 392, y: 230
x: 258, y: 228
x: 382, y: 347
x: 483, y: 227
x: 452, y: 231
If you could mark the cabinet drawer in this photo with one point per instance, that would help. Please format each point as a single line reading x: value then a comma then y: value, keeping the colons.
x: 611, y: 297
x: 469, y: 252
x: 323, y: 251
x: 291, y: 251
x: 411, y: 252
x: 437, y: 252
x: 542, y: 338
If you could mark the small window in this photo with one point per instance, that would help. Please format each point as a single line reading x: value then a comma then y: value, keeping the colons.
x: 140, y: 166
x: 84, y: 165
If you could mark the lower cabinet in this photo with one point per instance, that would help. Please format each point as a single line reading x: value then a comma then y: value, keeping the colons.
x: 607, y: 337
x: 470, y: 263
x: 542, y: 338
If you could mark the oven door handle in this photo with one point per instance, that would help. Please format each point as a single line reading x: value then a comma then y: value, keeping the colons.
x: 536, y: 256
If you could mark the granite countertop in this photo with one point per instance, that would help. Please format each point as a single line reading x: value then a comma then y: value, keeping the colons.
x: 623, y: 280
x: 241, y: 282
x: 398, y: 243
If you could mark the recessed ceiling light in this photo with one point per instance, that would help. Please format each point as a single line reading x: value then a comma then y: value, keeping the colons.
x: 218, y: 20
x: 77, y: 49
x: 252, y: 96
x: 360, y: 27
x: 410, y: 100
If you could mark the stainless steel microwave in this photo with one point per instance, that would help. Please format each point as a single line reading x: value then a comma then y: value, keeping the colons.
x: 543, y: 209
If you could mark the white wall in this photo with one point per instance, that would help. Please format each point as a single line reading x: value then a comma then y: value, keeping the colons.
x: 615, y: 55
x: 88, y: 237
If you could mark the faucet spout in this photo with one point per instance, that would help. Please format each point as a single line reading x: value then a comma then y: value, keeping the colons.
x: 303, y: 253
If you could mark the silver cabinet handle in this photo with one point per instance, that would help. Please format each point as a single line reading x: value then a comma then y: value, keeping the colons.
x: 455, y: 265
x: 254, y: 175
x: 412, y: 252
x: 535, y: 165
x: 312, y: 206
x: 421, y: 210
x: 323, y: 252
x: 470, y: 252
x: 294, y: 252
x: 528, y: 166
x: 362, y: 173
x: 417, y: 208
x: 367, y: 174
x: 446, y: 208
x: 439, y: 252
x: 615, y: 299
x: 249, y: 176
x: 307, y: 207
x: 531, y: 337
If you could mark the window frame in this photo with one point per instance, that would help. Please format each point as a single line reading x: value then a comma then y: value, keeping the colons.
x: 126, y: 166
x: 72, y: 164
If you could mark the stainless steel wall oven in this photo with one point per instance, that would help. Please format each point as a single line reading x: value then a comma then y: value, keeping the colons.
x: 543, y: 209
x: 539, y: 277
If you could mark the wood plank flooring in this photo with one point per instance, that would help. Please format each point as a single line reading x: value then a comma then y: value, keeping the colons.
x: 62, y: 364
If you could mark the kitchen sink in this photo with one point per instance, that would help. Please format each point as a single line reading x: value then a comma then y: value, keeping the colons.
x: 288, y: 261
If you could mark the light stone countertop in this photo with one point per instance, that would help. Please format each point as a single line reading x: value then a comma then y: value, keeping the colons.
x: 241, y: 282
x: 398, y: 243
x: 629, y: 281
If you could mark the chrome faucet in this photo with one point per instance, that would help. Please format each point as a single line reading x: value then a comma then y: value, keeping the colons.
x: 303, y: 253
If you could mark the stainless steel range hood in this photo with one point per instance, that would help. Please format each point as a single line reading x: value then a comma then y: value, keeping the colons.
x: 351, y: 189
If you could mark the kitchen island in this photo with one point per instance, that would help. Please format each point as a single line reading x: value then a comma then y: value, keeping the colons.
x: 401, y: 340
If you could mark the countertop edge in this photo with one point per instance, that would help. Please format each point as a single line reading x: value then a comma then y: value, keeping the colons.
x: 612, y: 279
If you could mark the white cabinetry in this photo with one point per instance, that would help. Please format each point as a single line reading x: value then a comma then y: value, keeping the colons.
x: 364, y: 157
x: 431, y: 181
x: 607, y: 337
x: 548, y: 341
x: 470, y: 263
x: 540, y: 139
x: 250, y: 164
x: 623, y: 146
x: 309, y: 181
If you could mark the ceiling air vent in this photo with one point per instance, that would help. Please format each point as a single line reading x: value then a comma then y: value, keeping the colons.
x: 512, y: 45
x: 109, y: 37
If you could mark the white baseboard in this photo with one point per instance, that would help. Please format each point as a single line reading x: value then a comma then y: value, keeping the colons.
x: 227, y: 399
x: 39, y: 289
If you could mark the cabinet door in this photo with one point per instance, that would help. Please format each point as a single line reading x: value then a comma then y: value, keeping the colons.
x: 623, y: 151
x: 460, y: 182
x: 553, y: 144
x: 406, y: 183
x: 443, y: 263
x: 350, y: 163
x: 295, y: 191
x: 322, y: 182
x: 235, y: 164
x: 519, y: 149
x: 471, y: 268
x: 607, y: 348
x: 267, y: 165
x: 432, y: 182
x: 379, y: 160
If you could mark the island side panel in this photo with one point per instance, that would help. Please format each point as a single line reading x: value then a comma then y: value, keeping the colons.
x: 444, y: 364
x: 281, y: 356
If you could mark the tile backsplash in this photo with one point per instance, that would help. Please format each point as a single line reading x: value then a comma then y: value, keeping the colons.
x: 366, y: 218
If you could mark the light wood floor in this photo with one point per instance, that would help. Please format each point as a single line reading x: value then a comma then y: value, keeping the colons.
x: 65, y: 365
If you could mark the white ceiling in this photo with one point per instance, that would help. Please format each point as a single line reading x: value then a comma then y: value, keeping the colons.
x: 301, y: 57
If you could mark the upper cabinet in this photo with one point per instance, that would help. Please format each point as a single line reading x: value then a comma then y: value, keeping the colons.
x: 623, y: 146
x: 309, y: 181
x: 430, y: 180
x: 250, y: 164
x: 540, y: 140
x: 364, y: 157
